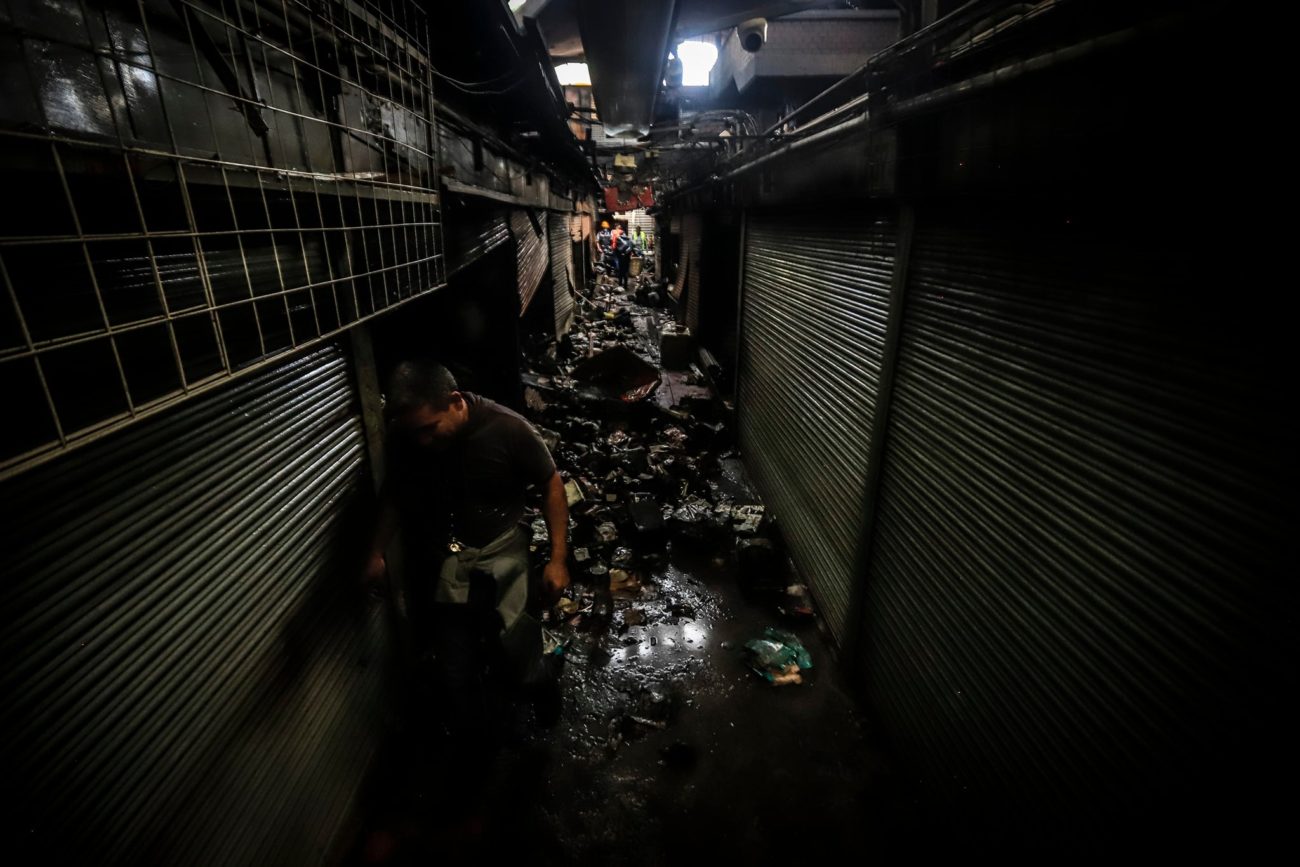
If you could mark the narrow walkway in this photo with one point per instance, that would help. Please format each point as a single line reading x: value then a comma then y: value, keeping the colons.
x: 670, y: 745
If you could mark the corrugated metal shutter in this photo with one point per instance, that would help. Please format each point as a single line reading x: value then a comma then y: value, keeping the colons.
x: 640, y: 218
x: 471, y: 233
x: 679, y: 280
x: 530, y: 253
x: 659, y: 258
x: 692, y: 238
x: 688, y: 266
x: 187, y: 678
x: 561, y: 271
x: 816, y: 297
x: 577, y: 254
x: 1064, y: 599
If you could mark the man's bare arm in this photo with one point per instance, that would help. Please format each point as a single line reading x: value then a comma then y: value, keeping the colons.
x: 555, y: 508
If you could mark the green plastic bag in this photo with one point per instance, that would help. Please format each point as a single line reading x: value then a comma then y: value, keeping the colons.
x: 772, y: 654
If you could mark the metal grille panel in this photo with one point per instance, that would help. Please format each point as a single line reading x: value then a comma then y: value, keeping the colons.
x: 187, y: 679
x: 211, y: 185
x: 816, y: 292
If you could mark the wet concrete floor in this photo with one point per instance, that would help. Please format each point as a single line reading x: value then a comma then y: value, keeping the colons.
x: 724, y: 764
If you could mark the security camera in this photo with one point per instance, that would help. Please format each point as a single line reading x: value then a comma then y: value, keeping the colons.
x: 752, y: 34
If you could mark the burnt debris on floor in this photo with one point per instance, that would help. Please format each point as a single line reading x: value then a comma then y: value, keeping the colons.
x: 681, y: 621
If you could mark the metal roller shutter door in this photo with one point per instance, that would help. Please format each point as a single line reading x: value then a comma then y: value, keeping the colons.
x: 642, y: 220
x: 638, y: 219
x: 688, y: 265
x: 561, y: 271
x: 816, y: 295
x: 1066, y: 561
x: 187, y: 679
x: 530, y: 253
x: 472, y: 234
x: 692, y: 238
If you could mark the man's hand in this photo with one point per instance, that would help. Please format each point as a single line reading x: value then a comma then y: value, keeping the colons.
x: 375, y: 578
x: 555, y: 577
x: 376, y: 574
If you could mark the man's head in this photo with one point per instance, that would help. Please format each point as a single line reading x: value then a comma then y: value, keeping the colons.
x: 604, y: 224
x: 424, y: 404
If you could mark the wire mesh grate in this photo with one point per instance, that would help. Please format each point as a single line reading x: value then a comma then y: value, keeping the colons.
x: 199, y: 188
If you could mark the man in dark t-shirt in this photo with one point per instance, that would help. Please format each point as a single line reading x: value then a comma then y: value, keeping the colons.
x: 458, y: 468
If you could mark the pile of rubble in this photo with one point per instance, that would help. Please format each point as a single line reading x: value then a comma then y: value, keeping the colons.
x: 642, y: 470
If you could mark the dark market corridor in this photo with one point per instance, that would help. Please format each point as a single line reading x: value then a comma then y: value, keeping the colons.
x: 895, y: 394
x: 670, y: 746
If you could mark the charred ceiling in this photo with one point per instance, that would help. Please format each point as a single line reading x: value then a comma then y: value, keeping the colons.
x: 493, y: 72
x: 1027, y: 99
x: 645, y: 125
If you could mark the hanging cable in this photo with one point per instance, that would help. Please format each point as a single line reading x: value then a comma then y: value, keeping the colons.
x: 469, y: 86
